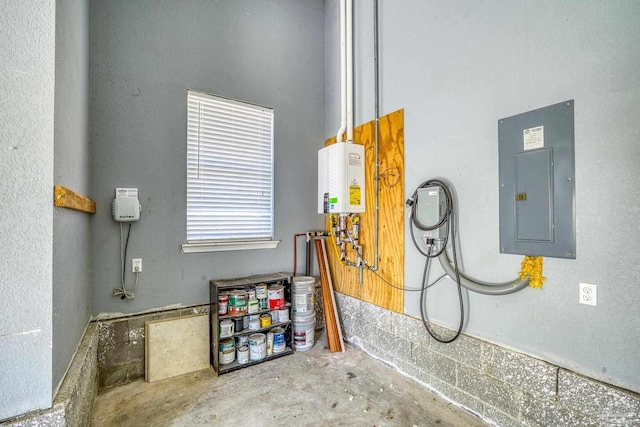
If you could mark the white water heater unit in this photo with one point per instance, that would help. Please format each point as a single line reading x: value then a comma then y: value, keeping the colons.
x: 341, y: 178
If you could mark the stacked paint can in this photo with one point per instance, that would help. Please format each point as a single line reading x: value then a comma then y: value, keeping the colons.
x: 304, y: 315
x: 257, y: 347
x: 227, y: 351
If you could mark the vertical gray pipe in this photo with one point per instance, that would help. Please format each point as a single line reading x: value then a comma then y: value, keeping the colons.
x: 376, y: 178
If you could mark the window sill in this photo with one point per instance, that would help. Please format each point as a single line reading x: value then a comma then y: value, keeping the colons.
x: 194, y: 248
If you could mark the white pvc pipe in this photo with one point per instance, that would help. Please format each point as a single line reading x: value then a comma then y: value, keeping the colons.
x: 349, y: 70
x: 343, y: 72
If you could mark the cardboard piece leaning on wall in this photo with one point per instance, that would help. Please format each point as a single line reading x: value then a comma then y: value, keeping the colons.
x: 176, y: 346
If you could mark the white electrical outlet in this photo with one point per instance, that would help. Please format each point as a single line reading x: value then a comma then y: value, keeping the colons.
x: 136, y: 265
x: 588, y: 294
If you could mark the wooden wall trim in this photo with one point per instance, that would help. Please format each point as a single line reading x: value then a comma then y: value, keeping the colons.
x: 65, y: 198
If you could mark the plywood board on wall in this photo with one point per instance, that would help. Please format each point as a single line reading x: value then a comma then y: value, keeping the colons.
x: 376, y: 287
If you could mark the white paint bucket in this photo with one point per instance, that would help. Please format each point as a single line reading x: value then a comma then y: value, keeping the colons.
x: 279, y: 340
x: 304, y: 328
x: 226, y: 351
x: 303, y: 296
x: 226, y: 328
x: 257, y: 346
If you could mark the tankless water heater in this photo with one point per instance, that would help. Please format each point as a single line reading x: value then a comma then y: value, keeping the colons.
x: 341, y: 186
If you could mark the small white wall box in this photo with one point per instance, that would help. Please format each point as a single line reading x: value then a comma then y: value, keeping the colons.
x: 126, y: 209
x: 341, y: 186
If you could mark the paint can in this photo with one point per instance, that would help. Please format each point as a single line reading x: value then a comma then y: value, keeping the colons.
x: 265, y: 320
x: 269, y: 343
x: 237, y: 303
x: 238, y: 324
x: 303, y: 296
x: 242, y: 340
x: 243, y: 354
x: 223, y: 301
x: 275, y: 318
x: 261, y: 291
x: 283, y: 315
x: 226, y: 328
x: 262, y: 304
x: 253, y: 305
x: 226, y: 351
x: 279, y: 340
x: 254, y: 324
x: 257, y: 346
x: 304, y: 332
x: 276, y: 297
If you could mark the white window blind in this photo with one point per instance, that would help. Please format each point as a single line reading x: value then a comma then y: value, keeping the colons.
x: 229, y: 170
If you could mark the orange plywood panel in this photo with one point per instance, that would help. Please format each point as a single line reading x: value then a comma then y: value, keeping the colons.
x: 390, y: 222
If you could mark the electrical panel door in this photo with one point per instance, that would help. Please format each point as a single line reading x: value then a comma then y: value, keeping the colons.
x: 537, y: 182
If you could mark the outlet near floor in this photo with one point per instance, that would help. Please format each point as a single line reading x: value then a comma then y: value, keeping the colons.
x: 136, y: 265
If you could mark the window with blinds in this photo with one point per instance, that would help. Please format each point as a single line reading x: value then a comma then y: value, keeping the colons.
x: 229, y: 170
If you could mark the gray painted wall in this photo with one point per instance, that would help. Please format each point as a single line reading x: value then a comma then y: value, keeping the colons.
x: 144, y: 55
x: 27, y: 60
x: 71, y: 281
x: 456, y: 68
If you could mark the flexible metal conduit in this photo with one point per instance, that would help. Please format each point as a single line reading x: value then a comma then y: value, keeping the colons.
x: 479, y: 286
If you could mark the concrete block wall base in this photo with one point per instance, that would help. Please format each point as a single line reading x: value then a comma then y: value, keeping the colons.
x: 74, y: 400
x: 122, y: 342
x: 504, y: 387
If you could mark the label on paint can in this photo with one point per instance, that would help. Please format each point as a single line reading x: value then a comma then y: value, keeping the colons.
x: 257, y: 347
x: 261, y: 291
x: 242, y: 340
x: 243, y: 354
x: 265, y: 320
x: 227, y: 351
x: 226, y: 328
x: 275, y: 318
x: 279, y: 340
x: 269, y: 343
x: 276, y: 297
x: 237, y: 303
x: 283, y: 315
x: 253, y: 306
x: 254, y: 324
x: 223, y: 301
x: 303, y: 297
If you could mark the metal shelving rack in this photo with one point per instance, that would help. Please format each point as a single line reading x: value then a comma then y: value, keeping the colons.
x: 221, y: 286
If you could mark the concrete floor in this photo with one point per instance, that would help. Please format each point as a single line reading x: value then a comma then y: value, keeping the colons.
x: 311, y: 388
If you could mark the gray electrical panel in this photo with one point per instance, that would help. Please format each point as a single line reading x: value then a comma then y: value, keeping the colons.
x: 537, y: 182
